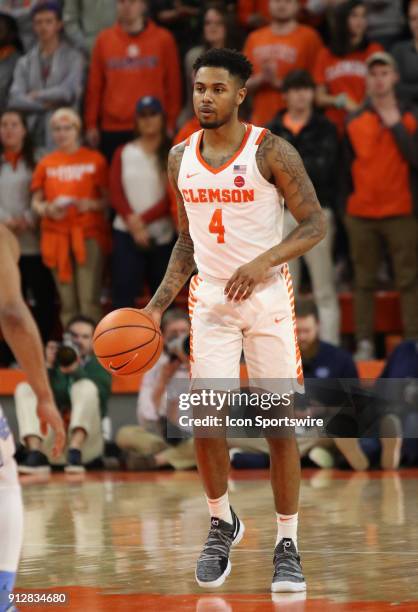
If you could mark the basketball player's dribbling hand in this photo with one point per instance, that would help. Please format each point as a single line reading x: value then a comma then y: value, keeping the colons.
x: 241, y: 284
x: 49, y: 415
x: 155, y: 315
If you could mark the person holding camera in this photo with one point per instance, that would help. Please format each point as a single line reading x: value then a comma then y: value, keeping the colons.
x: 145, y: 446
x: 81, y: 389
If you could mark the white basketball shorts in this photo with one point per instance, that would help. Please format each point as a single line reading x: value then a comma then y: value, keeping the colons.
x: 263, y: 326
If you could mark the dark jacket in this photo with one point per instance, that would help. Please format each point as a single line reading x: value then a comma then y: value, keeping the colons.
x: 90, y: 369
x: 324, y: 373
x: 317, y: 144
x: 330, y: 362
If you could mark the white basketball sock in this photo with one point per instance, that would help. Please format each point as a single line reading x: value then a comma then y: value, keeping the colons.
x: 287, y: 527
x: 220, y: 508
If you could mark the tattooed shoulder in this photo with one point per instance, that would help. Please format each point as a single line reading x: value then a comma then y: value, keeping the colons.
x: 174, y: 160
x: 263, y: 153
x: 277, y: 157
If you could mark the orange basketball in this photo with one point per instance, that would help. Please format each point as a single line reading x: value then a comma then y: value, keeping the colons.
x: 127, y: 342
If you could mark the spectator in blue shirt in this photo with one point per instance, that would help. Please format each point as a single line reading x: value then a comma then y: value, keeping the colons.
x: 322, y: 360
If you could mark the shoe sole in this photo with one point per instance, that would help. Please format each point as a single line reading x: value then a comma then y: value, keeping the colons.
x: 285, y: 586
x: 215, y: 584
x: 24, y: 469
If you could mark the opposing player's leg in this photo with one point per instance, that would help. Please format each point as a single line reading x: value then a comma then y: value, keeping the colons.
x: 11, y: 515
x: 274, y: 365
x: 216, y: 346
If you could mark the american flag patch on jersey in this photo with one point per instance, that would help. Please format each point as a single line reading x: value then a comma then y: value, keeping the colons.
x: 240, y: 169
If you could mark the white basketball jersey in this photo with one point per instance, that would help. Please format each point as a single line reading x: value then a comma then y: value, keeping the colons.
x: 234, y: 213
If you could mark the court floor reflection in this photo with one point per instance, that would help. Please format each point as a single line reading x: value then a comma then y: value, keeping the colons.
x: 140, y: 535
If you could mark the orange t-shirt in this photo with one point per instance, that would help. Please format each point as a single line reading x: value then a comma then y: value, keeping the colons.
x: 345, y: 74
x: 380, y: 173
x: 297, y: 50
x: 79, y: 175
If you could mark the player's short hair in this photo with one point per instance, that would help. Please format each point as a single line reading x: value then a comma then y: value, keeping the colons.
x: 306, y: 308
x: 298, y: 79
x: 233, y: 61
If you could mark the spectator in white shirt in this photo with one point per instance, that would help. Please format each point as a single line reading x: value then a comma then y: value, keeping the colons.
x: 143, y: 229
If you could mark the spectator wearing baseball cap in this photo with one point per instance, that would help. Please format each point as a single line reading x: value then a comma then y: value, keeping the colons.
x: 143, y: 231
x: 49, y: 76
x: 381, y: 195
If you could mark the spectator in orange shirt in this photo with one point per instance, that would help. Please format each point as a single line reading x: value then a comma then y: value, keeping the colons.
x: 340, y: 71
x: 276, y: 50
x: 381, y: 183
x: 69, y: 194
x: 132, y: 59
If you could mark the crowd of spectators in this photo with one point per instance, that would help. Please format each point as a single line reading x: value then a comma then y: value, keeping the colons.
x: 94, y: 92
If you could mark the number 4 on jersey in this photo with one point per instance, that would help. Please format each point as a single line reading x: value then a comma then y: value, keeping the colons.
x: 216, y: 227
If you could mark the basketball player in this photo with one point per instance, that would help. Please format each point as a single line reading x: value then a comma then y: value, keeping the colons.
x: 231, y: 181
x: 20, y: 331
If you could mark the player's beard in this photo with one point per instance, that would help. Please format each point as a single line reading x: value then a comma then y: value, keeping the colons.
x: 214, y: 125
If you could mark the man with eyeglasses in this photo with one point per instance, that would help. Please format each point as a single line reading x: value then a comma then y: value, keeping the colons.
x: 81, y: 390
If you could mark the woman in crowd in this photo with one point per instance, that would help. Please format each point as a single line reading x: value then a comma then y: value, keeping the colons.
x: 16, y: 168
x: 340, y: 71
x: 406, y: 56
x: 219, y: 31
x: 143, y: 230
x: 69, y: 194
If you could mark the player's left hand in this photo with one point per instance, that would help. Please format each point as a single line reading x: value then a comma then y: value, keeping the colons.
x: 241, y: 284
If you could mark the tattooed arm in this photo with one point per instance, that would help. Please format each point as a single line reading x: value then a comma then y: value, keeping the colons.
x: 181, y: 264
x: 279, y: 160
x: 280, y: 163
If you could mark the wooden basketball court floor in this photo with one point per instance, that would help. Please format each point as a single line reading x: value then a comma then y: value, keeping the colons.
x: 117, y: 541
